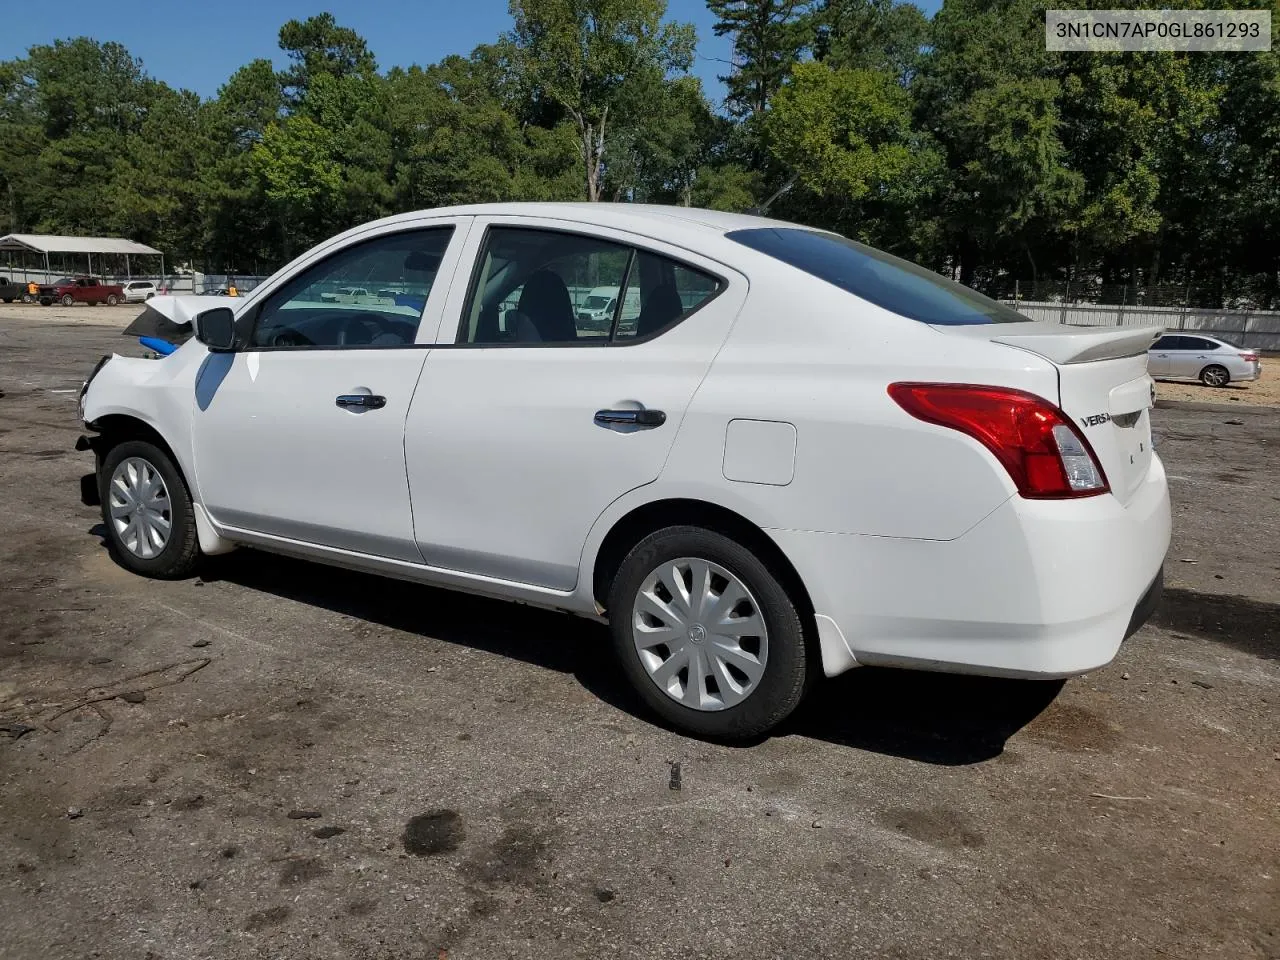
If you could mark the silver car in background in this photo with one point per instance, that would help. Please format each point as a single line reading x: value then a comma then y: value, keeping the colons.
x: 1215, y: 363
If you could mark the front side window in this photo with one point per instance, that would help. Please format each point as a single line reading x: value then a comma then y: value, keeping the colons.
x: 897, y: 285
x: 543, y: 286
x: 371, y: 294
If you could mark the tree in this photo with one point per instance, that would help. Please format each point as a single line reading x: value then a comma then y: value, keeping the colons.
x: 317, y: 46
x: 847, y: 136
x: 873, y: 35
x: 769, y: 37
x: 582, y: 55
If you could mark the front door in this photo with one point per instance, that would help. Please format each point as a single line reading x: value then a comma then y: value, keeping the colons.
x: 1158, y: 358
x: 300, y: 435
x: 540, y: 415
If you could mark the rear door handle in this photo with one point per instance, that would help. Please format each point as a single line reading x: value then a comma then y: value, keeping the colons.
x: 640, y: 419
x: 366, y: 401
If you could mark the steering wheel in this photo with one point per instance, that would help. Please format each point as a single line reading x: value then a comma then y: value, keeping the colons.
x: 291, y: 338
x: 352, y: 329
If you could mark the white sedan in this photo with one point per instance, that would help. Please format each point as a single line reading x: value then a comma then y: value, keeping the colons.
x: 797, y: 456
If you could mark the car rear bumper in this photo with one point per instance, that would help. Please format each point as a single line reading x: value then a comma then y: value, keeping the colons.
x: 1037, y: 589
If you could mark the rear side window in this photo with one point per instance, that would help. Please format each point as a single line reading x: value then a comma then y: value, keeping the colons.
x: 1198, y: 343
x: 896, y: 285
x: 546, y: 287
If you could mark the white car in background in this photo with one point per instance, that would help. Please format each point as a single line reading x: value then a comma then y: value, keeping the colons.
x: 1215, y: 363
x: 139, y: 291
x: 596, y: 312
x: 801, y: 456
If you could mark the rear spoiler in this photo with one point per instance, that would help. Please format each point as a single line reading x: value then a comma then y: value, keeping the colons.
x: 168, y: 318
x: 1064, y: 344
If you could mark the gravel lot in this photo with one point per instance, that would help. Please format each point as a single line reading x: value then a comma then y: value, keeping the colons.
x: 281, y: 760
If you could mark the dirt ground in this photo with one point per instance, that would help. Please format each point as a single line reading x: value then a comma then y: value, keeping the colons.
x: 281, y: 760
x: 1262, y: 392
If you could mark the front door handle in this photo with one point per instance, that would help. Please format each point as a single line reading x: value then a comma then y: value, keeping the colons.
x: 361, y: 401
x: 621, y: 419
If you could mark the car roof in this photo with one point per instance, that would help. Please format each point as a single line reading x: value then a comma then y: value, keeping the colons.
x: 643, y: 218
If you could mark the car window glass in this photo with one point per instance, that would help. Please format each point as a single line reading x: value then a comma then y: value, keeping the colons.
x: 543, y: 286
x: 1164, y: 343
x: 371, y: 294
x: 1199, y: 343
x: 899, y: 286
x: 660, y: 293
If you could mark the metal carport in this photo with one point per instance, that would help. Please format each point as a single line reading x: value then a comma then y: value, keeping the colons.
x: 103, y: 246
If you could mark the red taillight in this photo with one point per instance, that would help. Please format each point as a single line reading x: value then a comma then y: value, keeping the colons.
x: 1047, y: 457
x: 1250, y: 357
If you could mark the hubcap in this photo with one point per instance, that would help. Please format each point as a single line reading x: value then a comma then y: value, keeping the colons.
x: 1216, y: 378
x: 700, y: 634
x: 138, y: 502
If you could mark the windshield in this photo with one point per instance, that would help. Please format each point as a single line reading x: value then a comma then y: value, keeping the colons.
x: 598, y: 303
x: 897, y: 285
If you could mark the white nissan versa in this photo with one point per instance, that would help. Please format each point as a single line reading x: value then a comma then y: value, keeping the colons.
x: 799, y: 454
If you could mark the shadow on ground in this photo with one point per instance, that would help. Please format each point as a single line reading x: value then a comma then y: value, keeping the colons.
x: 1251, y: 626
x: 932, y: 718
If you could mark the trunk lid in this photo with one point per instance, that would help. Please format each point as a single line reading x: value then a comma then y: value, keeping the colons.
x: 1103, y: 386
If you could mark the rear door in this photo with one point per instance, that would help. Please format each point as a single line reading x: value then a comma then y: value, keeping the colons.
x: 530, y: 421
x: 1196, y: 355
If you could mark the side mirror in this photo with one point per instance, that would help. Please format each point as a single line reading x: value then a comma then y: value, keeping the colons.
x: 216, y: 329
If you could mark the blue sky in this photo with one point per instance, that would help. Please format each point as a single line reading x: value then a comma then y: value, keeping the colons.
x: 199, y: 45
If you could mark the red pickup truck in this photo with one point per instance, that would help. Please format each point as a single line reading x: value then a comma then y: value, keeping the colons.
x: 70, y: 290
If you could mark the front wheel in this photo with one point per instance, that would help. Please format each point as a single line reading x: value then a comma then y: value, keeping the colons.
x: 147, y: 510
x: 112, y: 300
x: 68, y: 300
x: 27, y: 298
x: 707, y: 634
x: 1215, y: 376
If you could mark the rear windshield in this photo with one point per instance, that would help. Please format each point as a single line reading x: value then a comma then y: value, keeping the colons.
x: 897, y: 285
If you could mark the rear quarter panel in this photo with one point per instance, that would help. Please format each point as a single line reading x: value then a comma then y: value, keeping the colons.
x: 805, y: 353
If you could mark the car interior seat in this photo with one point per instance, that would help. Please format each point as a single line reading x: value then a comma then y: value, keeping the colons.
x: 546, y: 302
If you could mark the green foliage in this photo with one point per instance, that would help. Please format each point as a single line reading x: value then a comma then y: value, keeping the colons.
x: 958, y: 141
x: 595, y: 59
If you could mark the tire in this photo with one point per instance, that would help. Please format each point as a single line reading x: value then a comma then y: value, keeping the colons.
x: 68, y: 300
x: 27, y: 298
x: 150, y: 295
x: 180, y: 553
x: 8, y: 299
x: 1215, y: 375
x: 112, y: 300
x: 787, y: 668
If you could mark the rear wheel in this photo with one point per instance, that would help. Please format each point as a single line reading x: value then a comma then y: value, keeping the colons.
x: 707, y: 634
x: 1215, y: 376
x: 68, y: 300
x: 27, y: 298
x: 147, y: 510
